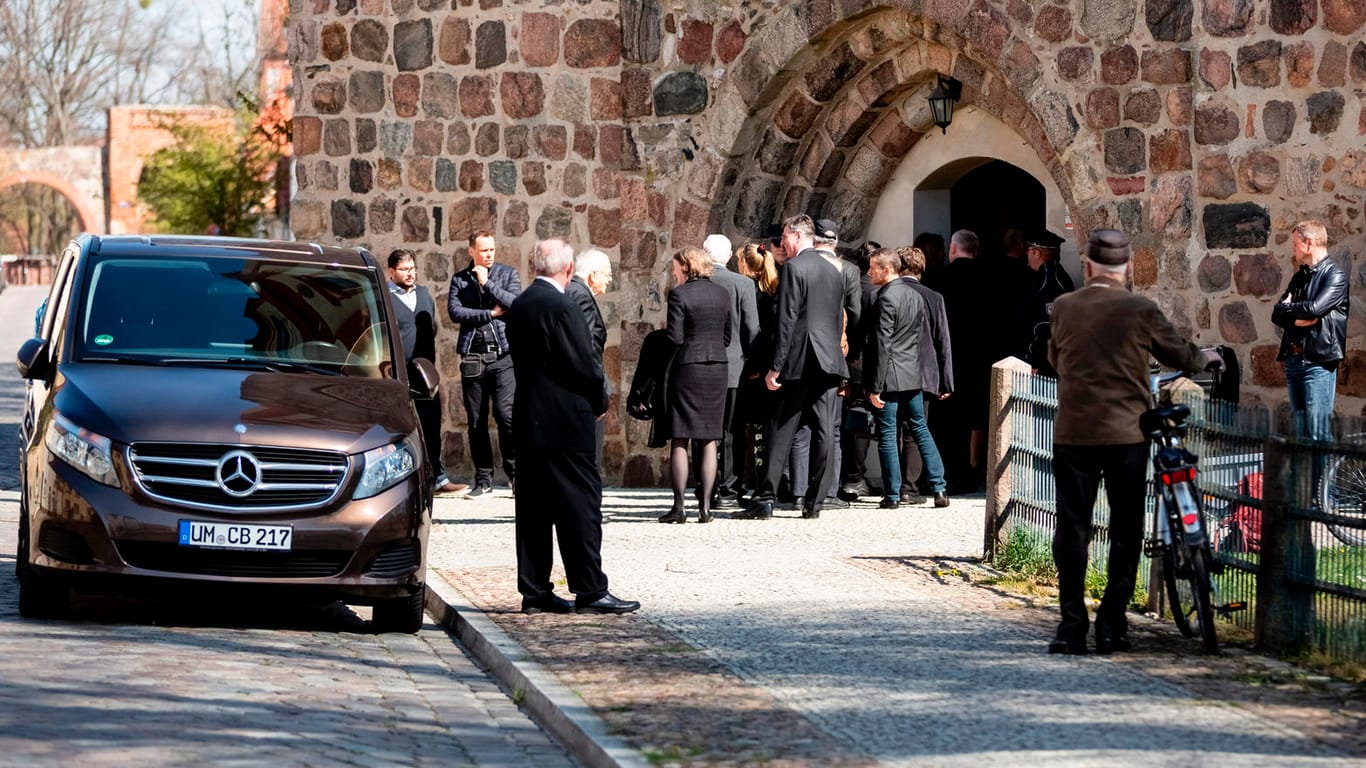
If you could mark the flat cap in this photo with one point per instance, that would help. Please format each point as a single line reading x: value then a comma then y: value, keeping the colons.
x: 827, y: 230
x: 1042, y: 238
x: 1108, y: 246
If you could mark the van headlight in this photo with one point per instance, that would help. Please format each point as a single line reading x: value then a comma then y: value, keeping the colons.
x: 87, y: 451
x: 382, y: 467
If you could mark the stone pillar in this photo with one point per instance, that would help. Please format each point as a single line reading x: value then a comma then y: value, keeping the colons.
x: 998, y: 450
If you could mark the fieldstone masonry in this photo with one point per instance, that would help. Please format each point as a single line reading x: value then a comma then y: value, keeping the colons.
x: 1205, y: 128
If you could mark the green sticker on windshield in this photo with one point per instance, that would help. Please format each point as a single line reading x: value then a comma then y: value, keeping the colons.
x: 104, y: 339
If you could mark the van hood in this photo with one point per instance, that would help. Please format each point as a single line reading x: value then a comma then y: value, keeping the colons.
x: 130, y: 404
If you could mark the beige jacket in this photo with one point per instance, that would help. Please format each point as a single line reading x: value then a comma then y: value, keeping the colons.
x: 1103, y: 338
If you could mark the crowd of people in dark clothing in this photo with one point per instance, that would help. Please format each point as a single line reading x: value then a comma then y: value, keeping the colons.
x: 783, y: 360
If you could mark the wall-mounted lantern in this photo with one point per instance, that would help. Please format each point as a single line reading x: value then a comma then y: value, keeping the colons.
x: 945, y: 94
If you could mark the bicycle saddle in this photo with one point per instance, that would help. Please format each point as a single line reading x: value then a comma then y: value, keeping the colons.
x: 1153, y: 421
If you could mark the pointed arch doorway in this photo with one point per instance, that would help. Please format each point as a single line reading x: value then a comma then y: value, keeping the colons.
x: 980, y: 175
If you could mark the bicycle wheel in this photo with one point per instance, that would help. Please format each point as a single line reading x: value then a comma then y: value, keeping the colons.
x: 1201, y: 592
x: 1180, y: 600
x: 1342, y: 491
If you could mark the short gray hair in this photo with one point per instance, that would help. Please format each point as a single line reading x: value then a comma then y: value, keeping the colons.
x: 966, y: 240
x: 551, y: 257
x: 590, y: 261
x: 1109, y: 270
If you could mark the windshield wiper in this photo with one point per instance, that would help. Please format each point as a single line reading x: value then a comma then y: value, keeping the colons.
x: 276, y: 366
x: 124, y: 360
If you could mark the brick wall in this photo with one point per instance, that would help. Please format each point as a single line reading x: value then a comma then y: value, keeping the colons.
x: 1205, y: 129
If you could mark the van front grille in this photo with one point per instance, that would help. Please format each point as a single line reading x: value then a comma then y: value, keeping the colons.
x: 173, y: 558
x: 227, y: 477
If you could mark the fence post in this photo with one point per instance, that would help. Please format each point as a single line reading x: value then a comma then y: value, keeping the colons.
x: 998, y: 451
x: 1285, y: 608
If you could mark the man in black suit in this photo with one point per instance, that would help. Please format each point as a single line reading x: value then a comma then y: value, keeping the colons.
x: 744, y: 329
x: 416, y: 314
x: 560, y: 394
x: 592, y: 275
x: 964, y: 287
x: 808, y: 366
x: 936, y: 377
x: 891, y: 367
x: 479, y: 296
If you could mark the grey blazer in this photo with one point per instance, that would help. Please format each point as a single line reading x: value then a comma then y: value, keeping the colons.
x: 894, y: 365
x: 744, y: 320
x: 936, y: 351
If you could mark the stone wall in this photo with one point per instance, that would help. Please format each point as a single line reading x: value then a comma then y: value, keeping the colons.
x: 1205, y: 129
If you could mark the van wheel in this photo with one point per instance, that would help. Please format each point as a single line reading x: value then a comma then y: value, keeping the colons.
x: 41, y: 595
x: 403, y: 614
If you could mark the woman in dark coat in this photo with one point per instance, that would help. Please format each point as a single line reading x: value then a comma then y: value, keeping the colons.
x: 699, y: 323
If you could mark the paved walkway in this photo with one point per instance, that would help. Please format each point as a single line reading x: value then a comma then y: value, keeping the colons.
x: 823, y: 616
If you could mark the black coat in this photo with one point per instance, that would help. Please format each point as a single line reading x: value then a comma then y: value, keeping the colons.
x: 699, y: 321
x: 811, y: 295
x: 649, y: 383
x: 936, y: 347
x: 1315, y: 293
x: 560, y: 385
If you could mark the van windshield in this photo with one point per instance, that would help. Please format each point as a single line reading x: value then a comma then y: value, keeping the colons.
x: 209, y: 310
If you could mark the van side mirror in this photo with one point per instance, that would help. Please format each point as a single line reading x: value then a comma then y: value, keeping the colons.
x: 33, y: 360
x: 423, y: 379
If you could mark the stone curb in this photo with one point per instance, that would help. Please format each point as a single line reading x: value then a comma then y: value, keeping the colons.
x: 553, y: 706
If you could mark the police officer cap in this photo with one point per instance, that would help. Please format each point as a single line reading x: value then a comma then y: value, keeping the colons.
x: 1042, y: 238
x: 827, y: 230
x: 1108, y: 246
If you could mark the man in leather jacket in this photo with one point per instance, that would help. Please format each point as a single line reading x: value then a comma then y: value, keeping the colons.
x: 1313, y: 312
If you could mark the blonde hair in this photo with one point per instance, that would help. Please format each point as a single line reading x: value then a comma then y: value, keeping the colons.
x: 755, y: 260
x: 1313, y: 231
x: 695, y: 261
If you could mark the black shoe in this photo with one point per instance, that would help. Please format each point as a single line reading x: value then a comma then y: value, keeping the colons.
x: 1106, y: 645
x: 675, y: 515
x: 834, y: 502
x: 704, y: 516
x: 725, y: 502
x: 889, y: 503
x: 758, y: 509
x: 608, y: 603
x: 551, y: 603
x: 941, y: 499
x: 1059, y: 645
x: 479, y: 490
x: 852, y: 491
x: 811, y: 511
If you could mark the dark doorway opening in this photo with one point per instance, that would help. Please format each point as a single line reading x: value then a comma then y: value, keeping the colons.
x: 995, y: 197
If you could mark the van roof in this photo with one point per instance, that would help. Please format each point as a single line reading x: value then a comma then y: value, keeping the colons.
x: 287, y: 250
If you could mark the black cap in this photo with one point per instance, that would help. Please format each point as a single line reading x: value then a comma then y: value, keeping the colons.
x: 1042, y: 238
x: 827, y: 230
x: 1108, y: 246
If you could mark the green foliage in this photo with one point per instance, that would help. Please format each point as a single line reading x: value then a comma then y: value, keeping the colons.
x: 1028, y: 554
x: 211, y: 181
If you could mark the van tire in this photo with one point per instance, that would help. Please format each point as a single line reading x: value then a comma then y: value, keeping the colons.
x: 41, y: 595
x: 402, y: 614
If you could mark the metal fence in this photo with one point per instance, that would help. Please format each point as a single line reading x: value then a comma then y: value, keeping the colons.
x: 1286, y: 512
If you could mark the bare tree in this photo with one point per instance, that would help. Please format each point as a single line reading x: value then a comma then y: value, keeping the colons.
x: 219, y: 61
x: 64, y: 62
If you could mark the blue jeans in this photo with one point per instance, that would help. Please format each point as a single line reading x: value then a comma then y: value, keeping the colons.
x: 907, y: 407
x: 1312, y: 388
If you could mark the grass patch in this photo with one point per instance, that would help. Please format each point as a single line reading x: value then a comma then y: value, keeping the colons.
x: 672, y: 753
x: 1028, y: 557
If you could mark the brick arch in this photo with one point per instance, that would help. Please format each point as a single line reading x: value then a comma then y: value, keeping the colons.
x: 91, y: 221
x: 830, y: 106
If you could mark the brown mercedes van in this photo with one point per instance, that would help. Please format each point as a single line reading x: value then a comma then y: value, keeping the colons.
x: 215, y: 411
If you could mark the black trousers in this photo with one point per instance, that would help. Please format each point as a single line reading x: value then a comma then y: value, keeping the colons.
x: 1078, y: 470
x: 494, y: 389
x: 563, y: 501
x: 429, y: 417
x: 811, y: 401
x: 799, y: 461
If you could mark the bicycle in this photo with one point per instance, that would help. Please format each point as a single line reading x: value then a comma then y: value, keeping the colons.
x: 1342, y: 492
x: 1181, y: 538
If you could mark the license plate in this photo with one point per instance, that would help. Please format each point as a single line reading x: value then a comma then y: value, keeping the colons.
x: 195, y: 533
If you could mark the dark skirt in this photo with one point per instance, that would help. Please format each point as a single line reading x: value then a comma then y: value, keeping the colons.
x: 697, y: 401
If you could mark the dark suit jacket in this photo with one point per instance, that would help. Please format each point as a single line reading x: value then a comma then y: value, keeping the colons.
x: 858, y: 335
x: 936, y: 351
x: 811, y: 293
x: 471, y: 305
x: 699, y: 321
x: 893, y: 347
x: 582, y: 295
x: 744, y: 320
x: 417, y: 327
x: 560, y: 385
x: 650, y: 382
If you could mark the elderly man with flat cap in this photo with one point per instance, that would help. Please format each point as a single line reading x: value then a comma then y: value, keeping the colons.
x: 1103, y: 337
